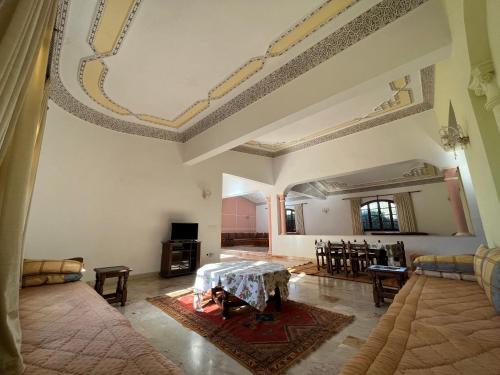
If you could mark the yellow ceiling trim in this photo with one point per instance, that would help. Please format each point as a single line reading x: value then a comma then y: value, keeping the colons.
x: 192, y: 111
x: 310, y: 24
x: 92, y: 73
x: 242, y: 74
x: 111, y: 24
x: 179, y: 121
x: 156, y: 120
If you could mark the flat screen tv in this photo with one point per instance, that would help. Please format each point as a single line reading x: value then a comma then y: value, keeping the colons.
x: 184, y: 231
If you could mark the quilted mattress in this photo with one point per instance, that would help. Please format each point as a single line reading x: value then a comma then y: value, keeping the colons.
x: 434, y: 326
x: 69, y: 329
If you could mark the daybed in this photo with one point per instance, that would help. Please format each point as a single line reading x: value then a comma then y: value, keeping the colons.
x: 435, y: 326
x: 70, y: 329
x: 244, y: 239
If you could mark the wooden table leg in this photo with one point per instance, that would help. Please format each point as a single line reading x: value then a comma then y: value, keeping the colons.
x: 100, y: 284
x: 225, y: 305
x: 124, y: 289
x: 277, y: 298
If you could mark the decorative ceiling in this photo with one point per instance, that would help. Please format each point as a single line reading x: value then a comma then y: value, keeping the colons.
x: 171, y: 70
x: 414, y: 172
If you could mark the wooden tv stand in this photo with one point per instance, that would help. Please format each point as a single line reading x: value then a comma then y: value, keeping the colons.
x: 180, y: 258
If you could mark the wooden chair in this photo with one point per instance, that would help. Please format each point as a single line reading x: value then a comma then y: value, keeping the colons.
x: 334, y: 254
x: 397, y: 251
x: 351, y: 259
x: 320, y: 253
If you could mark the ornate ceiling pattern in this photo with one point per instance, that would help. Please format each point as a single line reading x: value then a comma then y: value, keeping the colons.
x: 402, y: 96
x: 394, y: 176
x: 109, y: 29
x: 107, y: 34
x: 397, y: 107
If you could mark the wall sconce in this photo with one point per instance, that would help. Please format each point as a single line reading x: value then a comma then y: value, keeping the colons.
x: 325, y: 210
x: 452, y: 136
x: 205, y: 193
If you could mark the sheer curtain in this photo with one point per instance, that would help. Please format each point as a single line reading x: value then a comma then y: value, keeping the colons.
x: 357, y: 224
x: 25, y: 34
x: 406, y: 214
x: 299, y: 219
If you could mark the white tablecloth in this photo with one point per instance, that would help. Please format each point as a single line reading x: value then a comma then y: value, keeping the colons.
x: 250, y: 281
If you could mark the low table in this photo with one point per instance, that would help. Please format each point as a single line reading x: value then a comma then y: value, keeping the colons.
x: 121, y: 272
x: 380, y: 273
x: 250, y: 282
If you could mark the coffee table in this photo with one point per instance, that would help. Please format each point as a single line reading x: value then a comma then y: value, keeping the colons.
x: 251, y: 283
x: 380, y: 273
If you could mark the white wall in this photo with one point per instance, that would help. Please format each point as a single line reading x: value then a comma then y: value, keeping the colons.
x: 110, y: 197
x: 432, y: 211
x: 262, y: 219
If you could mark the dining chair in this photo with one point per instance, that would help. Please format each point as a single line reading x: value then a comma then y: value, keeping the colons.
x: 320, y: 253
x: 335, y: 252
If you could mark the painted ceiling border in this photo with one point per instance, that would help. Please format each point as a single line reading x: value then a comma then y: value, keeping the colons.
x: 354, y: 31
x: 427, y: 82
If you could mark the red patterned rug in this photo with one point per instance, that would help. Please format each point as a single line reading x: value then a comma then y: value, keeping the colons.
x: 265, y: 343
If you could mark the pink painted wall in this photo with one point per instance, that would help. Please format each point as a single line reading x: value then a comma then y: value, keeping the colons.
x: 238, y: 215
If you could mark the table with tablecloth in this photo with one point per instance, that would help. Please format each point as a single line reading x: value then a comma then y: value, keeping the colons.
x: 250, y: 281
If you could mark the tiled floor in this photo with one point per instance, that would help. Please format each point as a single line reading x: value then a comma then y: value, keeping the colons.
x: 196, y: 355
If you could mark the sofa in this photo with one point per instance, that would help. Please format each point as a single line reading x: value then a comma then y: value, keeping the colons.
x: 441, y: 322
x: 67, y: 328
x: 244, y: 239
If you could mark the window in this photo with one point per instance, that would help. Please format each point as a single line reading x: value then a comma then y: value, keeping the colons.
x: 379, y: 215
x: 290, y: 220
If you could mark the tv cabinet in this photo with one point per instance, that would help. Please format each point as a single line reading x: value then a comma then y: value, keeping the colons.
x: 180, y: 258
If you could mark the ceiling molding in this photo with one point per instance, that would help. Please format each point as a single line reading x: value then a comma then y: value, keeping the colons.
x: 359, y: 28
x: 422, y: 181
x: 427, y: 81
x: 401, y: 97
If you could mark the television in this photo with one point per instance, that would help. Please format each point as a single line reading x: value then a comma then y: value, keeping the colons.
x: 184, y: 231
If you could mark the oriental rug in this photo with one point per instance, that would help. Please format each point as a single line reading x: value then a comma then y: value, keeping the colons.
x: 266, y: 343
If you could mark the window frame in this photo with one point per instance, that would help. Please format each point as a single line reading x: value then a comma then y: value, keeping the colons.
x: 290, y: 224
x: 390, y: 202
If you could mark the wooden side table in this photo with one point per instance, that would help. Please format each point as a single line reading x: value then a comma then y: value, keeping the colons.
x: 121, y: 272
x: 380, y: 273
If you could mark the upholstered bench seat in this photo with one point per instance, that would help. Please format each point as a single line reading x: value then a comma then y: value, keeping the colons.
x: 434, y: 326
x: 70, y: 329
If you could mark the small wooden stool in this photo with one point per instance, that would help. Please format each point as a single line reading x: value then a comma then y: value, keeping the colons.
x: 122, y: 272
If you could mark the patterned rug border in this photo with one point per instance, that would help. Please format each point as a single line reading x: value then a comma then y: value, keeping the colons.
x: 168, y: 306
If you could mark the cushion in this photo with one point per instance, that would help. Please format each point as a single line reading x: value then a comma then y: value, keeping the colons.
x: 40, y: 272
x: 490, y: 276
x: 57, y: 278
x: 478, y: 263
x: 459, y: 267
x: 39, y: 266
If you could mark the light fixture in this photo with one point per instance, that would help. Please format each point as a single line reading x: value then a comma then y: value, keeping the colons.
x: 452, y: 136
x: 205, y: 193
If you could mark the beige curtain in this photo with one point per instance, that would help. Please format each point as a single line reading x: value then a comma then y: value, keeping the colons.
x: 406, y: 214
x: 25, y: 33
x: 357, y: 225
x: 299, y: 219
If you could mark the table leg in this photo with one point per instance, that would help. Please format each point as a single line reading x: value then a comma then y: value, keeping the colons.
x: 376, y: 296
x: 277, y: 298
x: 124, y: 289
x: 225, y: 305
x: 100, y: 286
